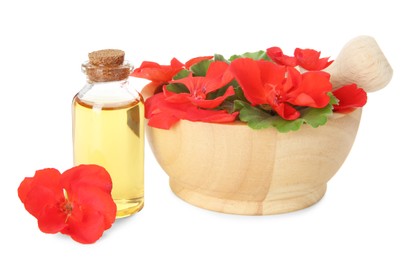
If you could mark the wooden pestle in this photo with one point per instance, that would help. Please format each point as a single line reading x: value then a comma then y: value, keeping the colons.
x: 362, y: 62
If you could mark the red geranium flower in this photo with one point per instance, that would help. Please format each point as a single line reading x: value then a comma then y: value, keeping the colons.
x: 277, y: 55
x: 160, y: 75
x: 350, y: 97
x: 216, y: 77
x: 266, y: 83
x: 163, y: 114
x: 310, y: 59
x: 77, y: 203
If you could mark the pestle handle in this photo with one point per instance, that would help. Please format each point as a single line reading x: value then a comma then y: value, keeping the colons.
x: 361, y: 61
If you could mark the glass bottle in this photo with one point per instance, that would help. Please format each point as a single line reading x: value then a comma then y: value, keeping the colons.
x: 108, y: 127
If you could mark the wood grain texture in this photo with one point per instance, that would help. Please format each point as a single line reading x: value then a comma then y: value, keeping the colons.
x: 232, y: 168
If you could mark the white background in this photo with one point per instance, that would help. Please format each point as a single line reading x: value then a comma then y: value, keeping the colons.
x: 367, y: 210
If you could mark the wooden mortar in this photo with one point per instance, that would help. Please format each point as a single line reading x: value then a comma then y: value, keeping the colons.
x: 232, y: 168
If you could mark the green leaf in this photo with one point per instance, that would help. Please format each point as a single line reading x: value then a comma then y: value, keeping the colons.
x: 285, y: 126
x: 315, y: 116
x: 333, y: 99
x: 259, y: 55
x: 318, y: 116
x: 227, y: 106
x: 177, y: 88
x: 182, y: 74
x: 219, y: 57
x: 239, y: 94
x: 257, y: 118
x: 234, y: 57
x: 238, y: 105
x: 201, y: 68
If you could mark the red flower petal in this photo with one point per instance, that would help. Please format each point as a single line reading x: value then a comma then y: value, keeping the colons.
x: 42, y: 189
x: 218, y: 75
x: 248, y: 74
x: 292, y: 81
x: 85, y: 226
x: 163, y: 114
x: 310, y: 59
x: 176, y: 64
x: 276, y: 54
x: 196, y: 60
x: 271, y: 73
x: 176, y: 97
x: 313, y: 90
x: 286, y: 111
x: 159, y: 112
x: 158, y: 73
x: 163, y: 120
x: 350, y: 97
x: 212, y: 116
x: 25, y: 188
x: 97, y: 200
x: 52, y: 219
x: 87, y: 175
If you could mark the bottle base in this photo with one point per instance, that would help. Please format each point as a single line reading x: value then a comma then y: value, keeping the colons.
x: 126, y: 208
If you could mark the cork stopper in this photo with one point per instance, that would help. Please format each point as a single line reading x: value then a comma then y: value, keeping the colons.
x: 109, y: 57
x: 107, y: 65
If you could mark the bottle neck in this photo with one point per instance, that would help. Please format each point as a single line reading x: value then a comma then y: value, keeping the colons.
x: 105, y: 73
x: 110, y: 93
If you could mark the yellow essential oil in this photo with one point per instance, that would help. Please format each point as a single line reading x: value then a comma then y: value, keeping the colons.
x: 113, y: 138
